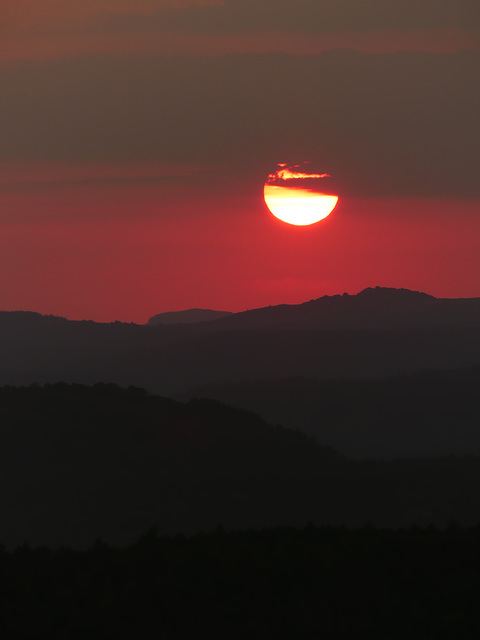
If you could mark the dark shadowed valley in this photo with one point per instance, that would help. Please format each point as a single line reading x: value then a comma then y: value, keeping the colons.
x: 79, y: 463
x: 432, y: 413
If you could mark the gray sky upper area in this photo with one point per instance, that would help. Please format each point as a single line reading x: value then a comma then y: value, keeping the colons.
x: 384, y: 125
x: 318, y: 16
x: 305, y: 15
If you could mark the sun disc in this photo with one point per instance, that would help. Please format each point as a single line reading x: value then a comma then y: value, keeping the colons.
x: 300, y: 207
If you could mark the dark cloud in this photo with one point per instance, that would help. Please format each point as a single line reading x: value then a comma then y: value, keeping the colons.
x: 399, y: 124
x: 315, y: 16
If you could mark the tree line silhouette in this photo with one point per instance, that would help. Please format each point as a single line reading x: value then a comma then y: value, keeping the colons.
x: 276, y: 583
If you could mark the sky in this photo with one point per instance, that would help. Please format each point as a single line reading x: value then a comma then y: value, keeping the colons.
x: 136, y: 137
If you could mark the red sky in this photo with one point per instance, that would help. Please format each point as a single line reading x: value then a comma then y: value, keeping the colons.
x: 221, y: 248
x: 131, y: 183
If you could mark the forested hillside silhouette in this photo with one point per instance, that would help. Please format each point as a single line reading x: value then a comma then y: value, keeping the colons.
x: 80, y: 462
x: 432, y: 413
x: 278, y: 583
x: 376, y: 333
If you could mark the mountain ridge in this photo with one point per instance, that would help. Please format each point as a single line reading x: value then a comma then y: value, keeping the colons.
x: 370, y: 308
x: 376, y: 333
x: 196, y: 315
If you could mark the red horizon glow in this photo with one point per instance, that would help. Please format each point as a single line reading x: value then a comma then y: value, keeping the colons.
x: 127, y: 251
x: 137, y: 136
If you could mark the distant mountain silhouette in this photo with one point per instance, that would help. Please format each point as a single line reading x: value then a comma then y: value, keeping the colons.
x: 188, y: 316
x: 422, y: 414
x: 79, y: 463
x: 376, y: 333
x: 372, y: 308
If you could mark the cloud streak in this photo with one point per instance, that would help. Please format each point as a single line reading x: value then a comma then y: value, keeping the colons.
x: 403, y: 124
x: 285, y: 173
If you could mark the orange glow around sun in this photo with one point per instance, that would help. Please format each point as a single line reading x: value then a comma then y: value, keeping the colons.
x: 296, y: 204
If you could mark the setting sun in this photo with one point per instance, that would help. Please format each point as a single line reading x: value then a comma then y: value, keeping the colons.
x: 298, y: 206
x: 288, y: 198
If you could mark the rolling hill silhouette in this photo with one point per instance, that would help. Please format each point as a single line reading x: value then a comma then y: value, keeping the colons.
x: 376, y: 333
x: 420, y: 414
x: 78, y: 463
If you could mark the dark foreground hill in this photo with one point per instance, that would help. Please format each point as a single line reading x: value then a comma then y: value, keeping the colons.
x: 77, y: 463
x: 281, y: 583
x: 379, y: 332
x: 433, y: 413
